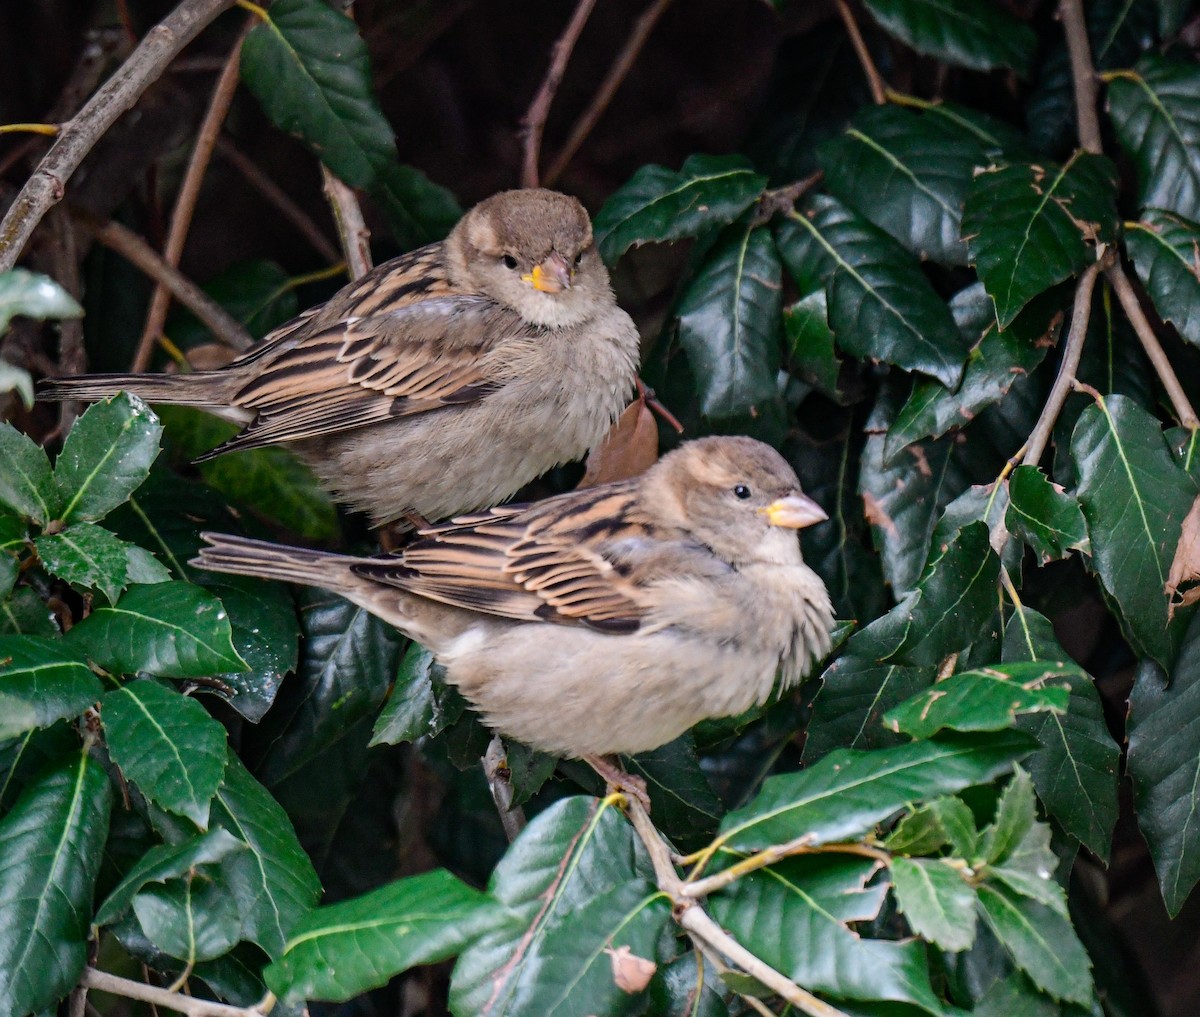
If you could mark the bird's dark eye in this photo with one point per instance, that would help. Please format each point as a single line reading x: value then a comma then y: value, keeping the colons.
x: 509, y: 261
x: 742, y: 491
x: 579, y: 259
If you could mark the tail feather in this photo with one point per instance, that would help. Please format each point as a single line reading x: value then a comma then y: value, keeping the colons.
x: 180, y: 389
x: 242, y: 556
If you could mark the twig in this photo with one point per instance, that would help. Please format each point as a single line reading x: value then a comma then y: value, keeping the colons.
x: 1145, y: 332
x: 273, y: 193
x: 351, y: 226
x: 783, y: 199
x: 190, y: 1005
x: 495, y: 768
x: 189, y: 192
x: 534, y: 123
x: 777, y: 852
x: 72, y: 356
x: 1083, y: 75
x: 1080, y: 316
x: 696, y: 921
x: 617, y: 73
x: 129, y: 245
x: 119, y: 93
x: 874, y: 78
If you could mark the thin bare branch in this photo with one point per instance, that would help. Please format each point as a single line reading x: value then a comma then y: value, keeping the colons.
x: 351, y: 226
x: 1083, y: 75
x: 781, y: 200
x: 534, y: 123
x: 617, y: 73
x: 189, y: 193
x: 129, y: 245
x: 875, y: 80
x: 698, y: 888
x: 152, y: 994
x: 1081, y: 314
x: 48, y: 183
x: 1158, y: 357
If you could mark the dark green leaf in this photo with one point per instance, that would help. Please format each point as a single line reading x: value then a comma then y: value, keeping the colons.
x: 1029, y: 867
x: 1016, y: 813
x: 166, y: 744
x: 9, y: 570
x: 881, y: 305
x: 51, y: 845
x: 1164, y: 249
x: 908, y: 173
x: 942, y: 822
x: 578, y: 851
x: 89, y: 555
x: 657, y: 204
x: 846, y: 793
x: 41, y: 681
x: 340, y: 951
x: 1134, y: 498
x: 1031, y: 225
x: 411, y: 710
x: 1044, y: 516
x: 1041, y: 942
x: 273, y: 883
x: 24, y: 613
x: 22, y: 759
x: 937, y: 901
x: 174, y: 629
x: 309, y: 68
x: 970, y: 33
x: 796, y: 916
x: 685, y: 807
x: 1075, y: 769
x: 1015, y: 995
x: 1164, y: 760
x: 26, y: 482
x: 163, y: 862
x: 106, y: 456
x: 193, y: 917
x: 142, y: 567
x: 810, y: 342
x: 34, y: 296
x: 729, y: 324
x: 1156, y: 110
x: 987, y: 699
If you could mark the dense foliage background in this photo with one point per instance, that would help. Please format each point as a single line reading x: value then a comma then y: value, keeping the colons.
x: 946, y: 256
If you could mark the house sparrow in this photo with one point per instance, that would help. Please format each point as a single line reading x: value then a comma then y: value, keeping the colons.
x: 604, y: 620
x: 441, y: 381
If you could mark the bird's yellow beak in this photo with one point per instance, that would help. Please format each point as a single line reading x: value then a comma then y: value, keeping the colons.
x: 794, y: 511
x: 550, y: 276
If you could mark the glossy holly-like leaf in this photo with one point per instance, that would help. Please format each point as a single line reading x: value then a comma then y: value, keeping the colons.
x: 797, y: 916
x: 810, y: 342
x: 1164, y: 760
x: 908, y: 173
x: 89, y: 555
x: 1044, y: 516
x: 987, y: 699
x: 578, y: 854
x: 998, y: 360
x: 937, y: 901
x: 846, y: 793
x: 309, y: 68
x: 1041, y: 942
x: 1155, y: 108
x: 33, y: 295
x: 1165, y: 249
x: 881, y: 306
x: 174, y: 629
x: 51, y: 846
x: 167, y: 744
x: 729, y: 324
x: 970, y: 33
x: 41, y: 681
x: 412, y: 708
x: 658, y: 205
x: 1029, y: 866
x: 946, y: 821
x: 1134, y: 498
x: 106, y: 456
x: 1031, y: 225
x: 24, y: 613
x: 273, y: 882
x: 1075, y: 769
x: 26, y: 482
x: 342, y: 950
x: 163, y: 862
x: 193, y: 917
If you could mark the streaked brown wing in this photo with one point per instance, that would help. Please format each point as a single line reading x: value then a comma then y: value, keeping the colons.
x: 548, y: 562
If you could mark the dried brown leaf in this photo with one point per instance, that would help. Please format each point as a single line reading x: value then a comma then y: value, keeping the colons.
x: 629, y: 448
x: 1185, y: 568
x: 631, y: 973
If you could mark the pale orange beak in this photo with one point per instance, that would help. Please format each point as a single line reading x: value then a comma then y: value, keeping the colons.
x: 550, y: 276
x: 794, y: 511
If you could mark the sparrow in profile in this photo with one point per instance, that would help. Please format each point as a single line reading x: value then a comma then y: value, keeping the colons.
x: 606, y: 620
x: 441, y: 381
